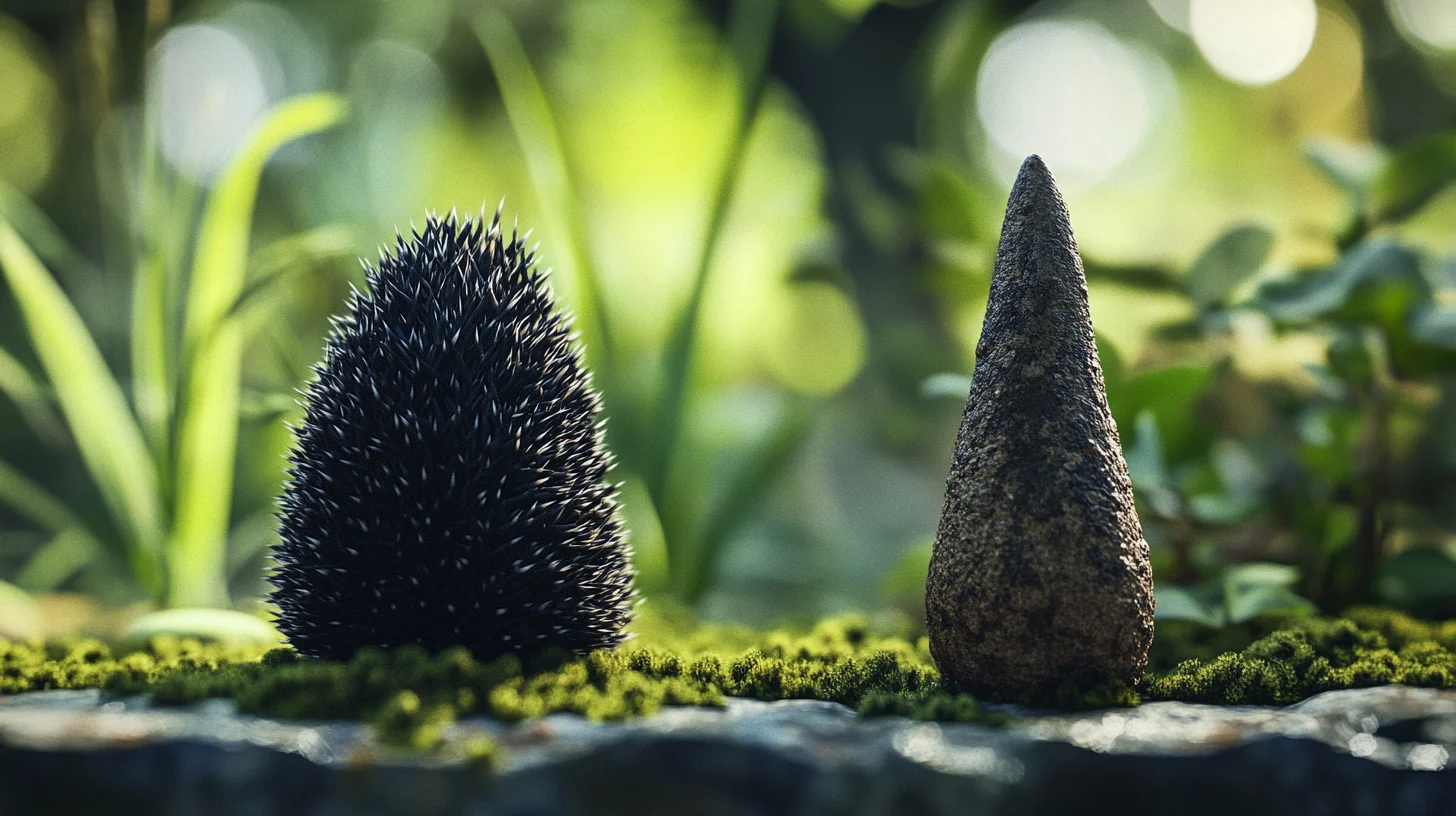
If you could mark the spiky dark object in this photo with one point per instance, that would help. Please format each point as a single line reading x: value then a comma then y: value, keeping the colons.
x: 448, y: 486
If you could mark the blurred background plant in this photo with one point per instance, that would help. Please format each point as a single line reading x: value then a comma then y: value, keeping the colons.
x: 775, y: 223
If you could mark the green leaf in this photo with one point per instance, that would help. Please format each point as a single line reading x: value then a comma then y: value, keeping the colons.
x: 1267, y: 600
x: 1242, y: 577
x: 1412, y: 177
x: 1255, y: 589
x: 1242, y: 481
x: 1171, y: 394
x: 152, y: 388
x: 540, y: 140
x: 213, y: 349
x: 105, y: 431
x: 1349, y: 165
x: 278, y: 261
x: 1231, y: 259
x: 221, y: 251
x: 744, y: 493
x: 945, y: 385
x: 1148, y: 470
x: 40, y: 233
x: 1222, y: 509
x: 950, y: 206
x: 67, y: 553
x: 906, y: 579
x: 33, y: 502
x: 1434, y: 325
x: 750, y: 36
x: 206, y: 624
x: 1114, y: 369
x: 1416, y: 577
x: 1177, y: 603
x: 1146, y: 277
x: 30, y: 399
x: 1371, y: 265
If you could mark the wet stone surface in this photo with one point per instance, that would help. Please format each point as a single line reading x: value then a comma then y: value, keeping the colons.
x: 1380, y: 750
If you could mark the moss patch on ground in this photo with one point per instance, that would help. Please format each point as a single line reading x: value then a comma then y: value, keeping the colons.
x: 411, y: 696
x: 1365, y: 647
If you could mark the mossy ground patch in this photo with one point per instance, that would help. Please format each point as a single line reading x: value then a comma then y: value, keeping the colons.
x: 410, y: 696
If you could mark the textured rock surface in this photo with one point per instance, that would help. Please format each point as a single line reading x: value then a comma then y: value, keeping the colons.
x: 1368, y: 751
x: 1040, y: 572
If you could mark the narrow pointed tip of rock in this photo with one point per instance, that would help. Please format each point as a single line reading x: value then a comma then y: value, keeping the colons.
x: 1037, y: 213
x: 1034, y: 177
x: 1034, y: 163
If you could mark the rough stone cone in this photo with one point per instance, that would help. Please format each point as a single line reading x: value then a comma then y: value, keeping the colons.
x: 1040, y: 572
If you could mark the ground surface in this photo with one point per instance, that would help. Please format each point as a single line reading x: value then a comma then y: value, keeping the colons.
x: 1374, y: 750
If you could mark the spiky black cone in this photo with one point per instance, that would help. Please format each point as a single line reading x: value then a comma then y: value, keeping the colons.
x: 449, y: 483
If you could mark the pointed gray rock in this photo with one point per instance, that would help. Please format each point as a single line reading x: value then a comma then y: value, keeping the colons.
x: 1040, y: 573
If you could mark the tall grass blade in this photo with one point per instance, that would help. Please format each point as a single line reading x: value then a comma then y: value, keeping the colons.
x: 213, y: 352
x: 106, y: 433
x: 750, y: 35
x: 744, y: 493
x: 32, y: 502
x: 535, y: 127
x: 40, y: 233
x: 274, y: 263
x: 67, y: 553
x: 30, y: 399
x: 151, y: 385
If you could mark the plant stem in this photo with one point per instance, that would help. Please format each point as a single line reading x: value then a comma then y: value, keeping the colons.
x: 751, y: 35
x: 1375, y: 463
x: 539, y: 137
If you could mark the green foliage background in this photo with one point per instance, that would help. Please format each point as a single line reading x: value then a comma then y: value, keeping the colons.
x: 774, y: 222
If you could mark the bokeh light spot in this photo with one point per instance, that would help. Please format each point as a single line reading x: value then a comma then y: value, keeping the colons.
x: 1253, y: 42
x: 29, y: 109
x: 1172, y: 12
x: 1068, y: 91
x: 209, y: 90
x: 1329, y: 79
x: 1430, y: 23
x: 819, y: 343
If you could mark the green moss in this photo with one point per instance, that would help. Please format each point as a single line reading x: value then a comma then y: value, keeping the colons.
x: 1369, y: 647
x: 935, y: 705
x: 411, y: 697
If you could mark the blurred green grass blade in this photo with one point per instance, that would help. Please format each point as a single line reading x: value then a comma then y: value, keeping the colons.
x: 1412, y: 177
x: 105, y: 431
x: 223, y: 625
x: 536, y: 132
x: 221, y: 253
x: 272, y: 264
x: 32, y: 502
x: 743, y: 496
x: 250, y: 538
x: 750, y: 30
x: 213, y: 352
x: 40, y: 233
x: 151, y: 390
x: 30, y: 399
x: 67, y: 553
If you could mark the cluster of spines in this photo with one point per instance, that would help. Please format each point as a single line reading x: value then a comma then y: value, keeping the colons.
x: 449, y: 483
